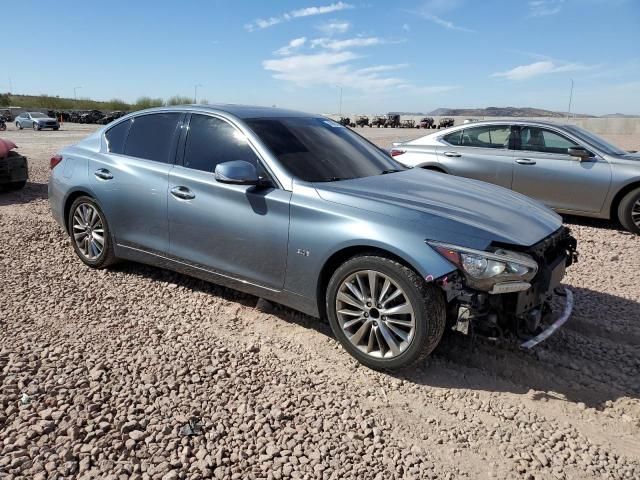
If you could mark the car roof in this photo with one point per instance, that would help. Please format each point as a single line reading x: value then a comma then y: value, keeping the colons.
x: 514, y: 121
x: 239, y: 111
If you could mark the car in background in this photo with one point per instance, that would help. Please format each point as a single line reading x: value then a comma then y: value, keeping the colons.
x: 14, y: 171
x: 564, y: 166
x: 303, y: 211
x: 36, y: 120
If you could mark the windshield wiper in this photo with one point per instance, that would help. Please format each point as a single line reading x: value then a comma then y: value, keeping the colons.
x: 335, y: 179
x: 391, y: 170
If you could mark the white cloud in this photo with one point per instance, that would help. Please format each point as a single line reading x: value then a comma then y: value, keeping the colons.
x: 383, y: 68
x: 535, y: 69
x: 334, y: 27
x: 444, y: 23
x: 291, y: 46
x: 406, y: 27
x: 261, y: 23
x: 346, y: 43
x: 543, y: 8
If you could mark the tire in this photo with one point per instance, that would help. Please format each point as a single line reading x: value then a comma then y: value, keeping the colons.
x: 16, y: 185
x: 106, y: 256
x: 19, y: 126
x: 35, y: 126
x: 56, y: 128
x: 629, y: 211
x: 426, y: 302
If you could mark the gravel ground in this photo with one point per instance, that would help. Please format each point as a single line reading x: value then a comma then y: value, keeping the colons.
x: 101, y: 370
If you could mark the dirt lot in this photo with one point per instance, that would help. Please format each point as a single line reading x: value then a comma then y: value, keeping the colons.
x: 100, y: 369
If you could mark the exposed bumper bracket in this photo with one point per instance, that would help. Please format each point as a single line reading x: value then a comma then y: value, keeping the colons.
x: 566, y: 313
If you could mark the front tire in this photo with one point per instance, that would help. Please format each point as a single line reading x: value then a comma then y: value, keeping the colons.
x: 383, y: 313
x: 90, y: 234
x: 629, y: 211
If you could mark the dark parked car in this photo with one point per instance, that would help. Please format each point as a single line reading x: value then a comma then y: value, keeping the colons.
x: 393, y: 120
x: 446, y: 122
x: 362, y: 121
x: 426, y: 122
x: 302, y: 211
x: 14, y: 170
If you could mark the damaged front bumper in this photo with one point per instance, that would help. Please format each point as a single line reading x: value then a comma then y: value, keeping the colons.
x: 517, y: 310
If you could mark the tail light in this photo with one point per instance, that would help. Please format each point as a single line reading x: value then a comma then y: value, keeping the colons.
x: 55, y: 160
x: 396, y: 151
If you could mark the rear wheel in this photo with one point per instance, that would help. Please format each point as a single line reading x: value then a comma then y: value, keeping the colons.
x: 90, y: 234
x: 18, y: 126
x: 383, y: 313
x: 629, y: 211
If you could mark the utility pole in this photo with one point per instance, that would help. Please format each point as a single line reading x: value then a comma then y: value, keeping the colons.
x: 570, y: 99
x: 10, y: 85
x: 340, y: 87
x: 75, y: 93
x: 195, y: 93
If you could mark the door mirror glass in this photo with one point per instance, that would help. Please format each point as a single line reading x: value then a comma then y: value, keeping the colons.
x: 579, y: 152
x: 237, y: 172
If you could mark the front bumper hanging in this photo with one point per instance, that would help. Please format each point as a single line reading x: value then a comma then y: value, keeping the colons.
x: 551, y: 329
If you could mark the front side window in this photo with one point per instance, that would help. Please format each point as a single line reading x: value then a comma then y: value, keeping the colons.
x: 320, y: 150
x: 537, y: 139
x: 211, y: 141
x: 151, y: 136
x: 116, y: 137
x: 493, y: 136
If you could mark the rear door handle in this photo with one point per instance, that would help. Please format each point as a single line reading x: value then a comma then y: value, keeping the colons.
x: 452, y: 154
x: 182, y: 193
x: 525, y: 161
x: 103, y: 173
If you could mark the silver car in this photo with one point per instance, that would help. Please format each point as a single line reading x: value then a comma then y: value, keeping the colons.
x: 36, y: 120
x: 302, y: 211
x: 566, y: 167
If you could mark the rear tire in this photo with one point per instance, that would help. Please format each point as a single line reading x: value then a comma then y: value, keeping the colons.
x: 19, y: 126
x: 413, y: 335
x: 629, y: 211
x: 85, y: 229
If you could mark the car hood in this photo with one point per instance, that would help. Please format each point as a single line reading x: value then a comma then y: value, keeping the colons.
x: 452, y: 209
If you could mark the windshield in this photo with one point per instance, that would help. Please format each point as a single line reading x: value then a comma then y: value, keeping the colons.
x: 37, y: 115
x: 321, y: 150
x: 595, y: 140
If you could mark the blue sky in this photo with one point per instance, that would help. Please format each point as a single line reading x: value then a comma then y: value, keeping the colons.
x: 413, y: 55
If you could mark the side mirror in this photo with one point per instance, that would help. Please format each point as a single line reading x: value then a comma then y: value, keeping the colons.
x: 237, y: 172
x: 579, y: 152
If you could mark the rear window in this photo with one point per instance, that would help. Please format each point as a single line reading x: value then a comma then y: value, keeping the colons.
x: 151, y: 136
x: 116, y: 136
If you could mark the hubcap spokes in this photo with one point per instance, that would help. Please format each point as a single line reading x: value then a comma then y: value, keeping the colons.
x: 88, y: 231
x: 375, y: 314
x: 635, y: 213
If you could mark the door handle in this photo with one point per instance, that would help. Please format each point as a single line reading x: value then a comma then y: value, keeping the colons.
x: 525, y: 161
x: 103, y: 173
x: 182, y: 193
x: 452, y: 154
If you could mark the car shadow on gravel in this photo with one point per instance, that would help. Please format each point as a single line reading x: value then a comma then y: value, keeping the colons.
x: 595, y: 223
x: 31, y: 192
x: 585, y: 362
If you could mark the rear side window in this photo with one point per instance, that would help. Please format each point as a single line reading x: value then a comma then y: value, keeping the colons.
x: 212, y: 141
x: 151, y: 136
x: 116, y: 136
x: 494, y: 136
x: 454, y: 138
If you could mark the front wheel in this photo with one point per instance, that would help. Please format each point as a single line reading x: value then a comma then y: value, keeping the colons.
x: 90, y: 234
x: 35, y: 126
x: 629, y: 211
x: 383, y: 313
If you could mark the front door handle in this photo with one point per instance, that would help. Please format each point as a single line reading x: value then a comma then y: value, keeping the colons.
x: 452, y: 154
x: 182, y: 193
x: 525, y: 161
x: 103, y: 174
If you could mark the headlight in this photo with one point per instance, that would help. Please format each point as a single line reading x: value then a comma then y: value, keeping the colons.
x: 483, y: 270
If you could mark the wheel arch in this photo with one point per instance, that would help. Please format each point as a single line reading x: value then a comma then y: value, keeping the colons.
x: 615, y: 203
x: 341, y: 256
x: 433, y: 168
x: 71, y: 197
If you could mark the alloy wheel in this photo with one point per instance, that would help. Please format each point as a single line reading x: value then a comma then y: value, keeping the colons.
x: 635, y: 213
x: 375, y: 314
x: 88, y: 231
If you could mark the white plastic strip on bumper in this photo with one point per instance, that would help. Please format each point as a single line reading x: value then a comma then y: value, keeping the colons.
x: 542, y: 336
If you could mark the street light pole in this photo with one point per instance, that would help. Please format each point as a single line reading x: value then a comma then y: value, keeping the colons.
x: 195, y: 93
x: 570, y: 99
x: 75, y: 95
x: 340, y: 87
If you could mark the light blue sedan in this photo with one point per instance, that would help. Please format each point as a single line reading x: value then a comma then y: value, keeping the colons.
x: 36, y: 120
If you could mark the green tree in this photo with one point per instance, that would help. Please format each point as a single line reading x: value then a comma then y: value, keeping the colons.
x: 179, y: 100
x: 4, y: 100
x: 147, y: 102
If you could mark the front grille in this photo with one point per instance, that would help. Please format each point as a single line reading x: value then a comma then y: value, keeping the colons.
x: 559, y: 243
